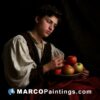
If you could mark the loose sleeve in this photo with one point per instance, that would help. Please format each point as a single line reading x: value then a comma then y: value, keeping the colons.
x: 17, y: 62
x: 56, y: 52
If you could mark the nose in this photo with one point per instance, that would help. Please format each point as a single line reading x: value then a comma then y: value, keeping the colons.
x: 51, y: 28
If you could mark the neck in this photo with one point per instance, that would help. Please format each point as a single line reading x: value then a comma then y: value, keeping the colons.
x: 36, y: 36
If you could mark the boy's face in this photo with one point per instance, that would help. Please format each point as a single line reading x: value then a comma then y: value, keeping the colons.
x: 46, y: 25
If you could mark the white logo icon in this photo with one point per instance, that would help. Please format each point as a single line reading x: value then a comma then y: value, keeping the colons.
x: 11, y: 91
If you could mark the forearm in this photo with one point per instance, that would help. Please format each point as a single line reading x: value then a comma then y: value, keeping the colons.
x: 46, y: 68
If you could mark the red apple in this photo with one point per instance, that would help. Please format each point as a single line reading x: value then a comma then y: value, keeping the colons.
x: 72, y: 59
x: 68, y: 69
x: 58, y: 71
x: 79, y: 67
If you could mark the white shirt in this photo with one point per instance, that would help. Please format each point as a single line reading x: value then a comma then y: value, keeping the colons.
x: 18, y: 62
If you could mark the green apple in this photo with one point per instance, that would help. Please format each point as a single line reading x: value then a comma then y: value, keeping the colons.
x: 79, y: 67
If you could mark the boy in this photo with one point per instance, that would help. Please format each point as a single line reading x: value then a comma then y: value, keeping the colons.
x: 27, y: 57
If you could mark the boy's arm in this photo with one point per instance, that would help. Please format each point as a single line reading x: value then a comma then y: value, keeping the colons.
x: 17, y: 62
x: 56, y: 52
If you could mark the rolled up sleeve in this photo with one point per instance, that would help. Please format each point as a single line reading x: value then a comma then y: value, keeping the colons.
x: 56, y: 52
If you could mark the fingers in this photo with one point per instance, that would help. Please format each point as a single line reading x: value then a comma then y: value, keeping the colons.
x: 58, y: 59
x: 60, y: 65
x: 85, y: 74
x: 58, y: 62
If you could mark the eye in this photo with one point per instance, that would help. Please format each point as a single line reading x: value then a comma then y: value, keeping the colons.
x: 49, y: 21
x: 55, y: 25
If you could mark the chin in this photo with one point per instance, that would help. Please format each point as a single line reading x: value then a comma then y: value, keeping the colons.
x: 46, y: 35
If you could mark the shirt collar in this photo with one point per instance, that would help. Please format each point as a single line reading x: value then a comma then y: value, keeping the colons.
x: 34, y: 40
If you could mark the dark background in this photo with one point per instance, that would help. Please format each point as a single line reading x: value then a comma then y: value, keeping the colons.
x: 77, y: 34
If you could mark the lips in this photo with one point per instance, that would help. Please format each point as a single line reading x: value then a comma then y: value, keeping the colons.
x: 48, y: 32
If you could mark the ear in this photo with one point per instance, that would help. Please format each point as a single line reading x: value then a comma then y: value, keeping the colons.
x: 37, y: 19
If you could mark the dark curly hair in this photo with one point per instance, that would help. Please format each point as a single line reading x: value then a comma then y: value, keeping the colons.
x: 44, y: 10
x: 48, y: 10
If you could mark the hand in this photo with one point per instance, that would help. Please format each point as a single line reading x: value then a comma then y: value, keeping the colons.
x: 85, y: 74
x: 54, y: 63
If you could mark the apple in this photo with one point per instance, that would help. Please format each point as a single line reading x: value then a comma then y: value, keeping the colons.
x: 78, y: 67
x: 58, y: 71
x: 72, y: 59
x: 68, y: 69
